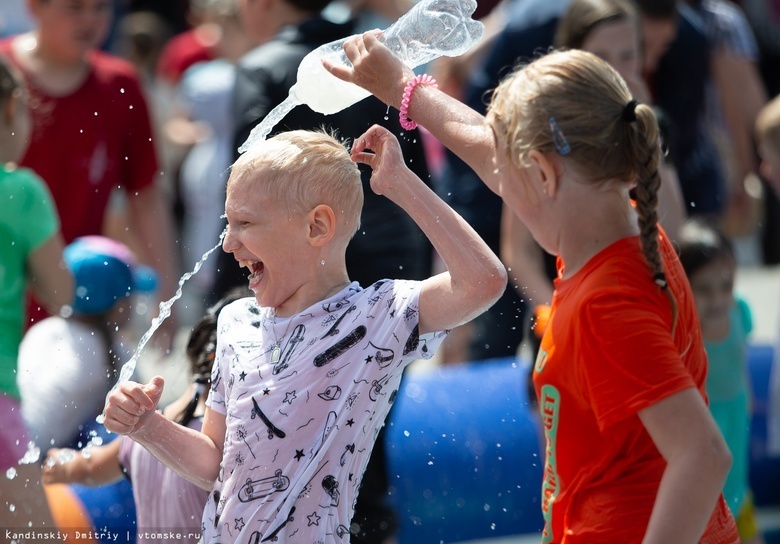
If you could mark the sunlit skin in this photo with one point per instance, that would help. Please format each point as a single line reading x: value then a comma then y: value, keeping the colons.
x: 713, y: 288
x: 657, y: 36
x: 617, y: 42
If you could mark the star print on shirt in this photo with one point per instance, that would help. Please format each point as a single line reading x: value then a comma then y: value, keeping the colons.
x: 266, y: 391
x: 242, y: 376
x: 239, y: 524
x: 314, y: 519
x: 298, y: 455
x: 369, y: 358
x: 350, y: 422
x: 290, y: 397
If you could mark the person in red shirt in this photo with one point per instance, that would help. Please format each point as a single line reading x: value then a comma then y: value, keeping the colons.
x: 632, y: 452
x: 91, y: 127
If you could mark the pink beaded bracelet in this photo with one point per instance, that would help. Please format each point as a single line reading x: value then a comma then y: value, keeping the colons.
x: 424, y: 79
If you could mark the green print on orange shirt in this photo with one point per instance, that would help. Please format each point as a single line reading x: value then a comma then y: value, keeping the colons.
x: 550, y: 406
x: 541, y: 359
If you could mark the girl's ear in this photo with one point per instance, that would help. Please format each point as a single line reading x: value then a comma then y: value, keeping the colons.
x: 549, y: 170
x: 321, y: 225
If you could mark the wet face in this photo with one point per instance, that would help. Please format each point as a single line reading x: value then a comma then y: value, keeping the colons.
x: 72, y: 27
x: 713, y: 287
x: 268, y: 241
x: 657, y: 36
x: 617, y: 43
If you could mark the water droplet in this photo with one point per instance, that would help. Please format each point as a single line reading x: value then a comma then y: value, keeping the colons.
x: 10, y: 473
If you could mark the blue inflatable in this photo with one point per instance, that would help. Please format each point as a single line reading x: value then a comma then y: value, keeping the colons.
x: 463, y: 450
x: 463, y: 454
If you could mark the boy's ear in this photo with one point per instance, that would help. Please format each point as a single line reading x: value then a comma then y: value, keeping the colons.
x: 549, y: 171
x: 322, y: 225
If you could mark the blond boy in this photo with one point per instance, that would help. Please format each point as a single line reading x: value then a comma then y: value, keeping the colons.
x: 307, y: 370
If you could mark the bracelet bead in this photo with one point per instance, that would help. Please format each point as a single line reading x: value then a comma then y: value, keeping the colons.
x: 403, y: 116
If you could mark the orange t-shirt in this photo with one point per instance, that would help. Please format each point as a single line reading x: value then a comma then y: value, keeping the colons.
x: 606, y: 354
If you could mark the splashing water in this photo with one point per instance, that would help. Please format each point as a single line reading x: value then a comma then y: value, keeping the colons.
x: 32, y: 454
x: 165, y: 310
x: 431, y: 29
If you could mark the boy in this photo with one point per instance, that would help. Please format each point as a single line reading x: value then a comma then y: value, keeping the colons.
x: 768, y: 141
x: 307, y: 371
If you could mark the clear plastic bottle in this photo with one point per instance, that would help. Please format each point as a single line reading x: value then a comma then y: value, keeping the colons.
x: 431, y: 29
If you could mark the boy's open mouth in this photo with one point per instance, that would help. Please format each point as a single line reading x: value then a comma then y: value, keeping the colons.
x: 255, y: 268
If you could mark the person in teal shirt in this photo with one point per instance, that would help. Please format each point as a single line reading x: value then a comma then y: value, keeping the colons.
x: 30, y: 256
x: 708, y: 258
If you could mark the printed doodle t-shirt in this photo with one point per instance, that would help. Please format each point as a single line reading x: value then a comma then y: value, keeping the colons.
x: 300, y: 428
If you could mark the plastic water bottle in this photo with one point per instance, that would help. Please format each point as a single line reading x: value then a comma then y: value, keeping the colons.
x: 431, y: 29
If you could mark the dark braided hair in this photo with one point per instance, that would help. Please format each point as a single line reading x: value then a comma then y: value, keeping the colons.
x: 202, y: 349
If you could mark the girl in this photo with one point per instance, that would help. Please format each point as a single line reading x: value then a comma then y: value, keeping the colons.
x: 632, y: 452
x: 31, y: 256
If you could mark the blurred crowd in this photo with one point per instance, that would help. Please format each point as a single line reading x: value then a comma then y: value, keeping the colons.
x: 137, y: 108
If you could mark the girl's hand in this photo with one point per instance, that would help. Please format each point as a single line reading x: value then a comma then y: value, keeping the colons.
x: 131, y: 404
x: 386, y: 161
x: 374, y: 68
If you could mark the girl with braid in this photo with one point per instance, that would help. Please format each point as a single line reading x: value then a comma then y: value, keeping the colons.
x: 163, y: 499
x: 632, y: 452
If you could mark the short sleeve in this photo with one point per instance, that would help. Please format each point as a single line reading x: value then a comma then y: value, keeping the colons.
x: 628, y: 359
x: 400, y: 299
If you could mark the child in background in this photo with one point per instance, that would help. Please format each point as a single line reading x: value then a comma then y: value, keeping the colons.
x: 31, y: 256
x: 632, y: 452
x: 307, y: 370
x: 67, y: 364
x: 163, y: 499
x: 768, y: 141
x: 708, y: 258
x: 92, y: 132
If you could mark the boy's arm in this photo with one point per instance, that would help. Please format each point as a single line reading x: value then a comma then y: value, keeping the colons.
x: 458, y: 127
x: 475, y: 277
x: 101, y: 467
x: 195, y: 456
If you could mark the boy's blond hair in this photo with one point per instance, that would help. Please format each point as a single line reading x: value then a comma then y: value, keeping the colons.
x: 768, y: 124
x: 307, y: 168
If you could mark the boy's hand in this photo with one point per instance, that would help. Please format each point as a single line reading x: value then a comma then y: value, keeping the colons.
x: 386, y: 161
x: 131, y: 404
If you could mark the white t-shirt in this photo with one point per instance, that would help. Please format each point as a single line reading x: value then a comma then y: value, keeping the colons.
x: 300, y: 431
x: 64, y: 375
